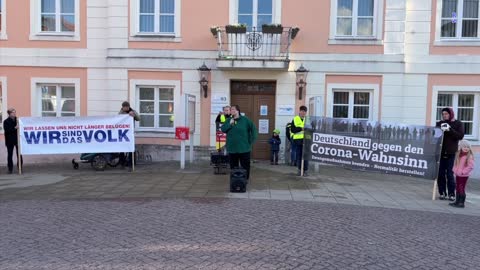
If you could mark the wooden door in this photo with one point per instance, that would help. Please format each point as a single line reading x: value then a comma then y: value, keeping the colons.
x: 257, y: 101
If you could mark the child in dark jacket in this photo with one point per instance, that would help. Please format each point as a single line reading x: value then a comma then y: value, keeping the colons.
x: 275, y: 146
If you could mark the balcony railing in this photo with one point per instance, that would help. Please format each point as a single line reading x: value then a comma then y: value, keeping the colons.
x: 236, y: 44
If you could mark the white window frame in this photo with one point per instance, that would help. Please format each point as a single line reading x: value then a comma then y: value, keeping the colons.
x: 136, y: 35
x: 377, y: 34
x: 3, y: 99
x: 3, y: 31
x: 276, y: 11
x: 134, y: 99
x: 36, y: 24
x: 456, y: 90
x: 449, y: 41
x: 36, y: 92
x: 373, y: 89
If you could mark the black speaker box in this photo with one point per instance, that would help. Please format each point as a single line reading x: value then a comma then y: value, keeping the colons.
x: 238, y: 180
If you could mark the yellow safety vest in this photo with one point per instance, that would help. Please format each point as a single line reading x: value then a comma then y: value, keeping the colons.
x: 222, y: 118
x: 299, y: 123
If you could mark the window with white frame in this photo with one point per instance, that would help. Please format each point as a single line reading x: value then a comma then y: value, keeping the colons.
x: 255, y: 13
x: 464, y: 107
x: 57, y: 100
x: 459, y: 19
x: 57, y: 16
x: 356, y: 18
x: 156, y: 107
x: 352, y: 104
x: 156, y: 16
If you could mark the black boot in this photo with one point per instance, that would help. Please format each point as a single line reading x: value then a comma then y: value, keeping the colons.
x: 457, y: 200
x: 461, y: 201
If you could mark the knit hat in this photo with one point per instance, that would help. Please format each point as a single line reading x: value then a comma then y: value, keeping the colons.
x: 450, y: 112
x: 276, y: 131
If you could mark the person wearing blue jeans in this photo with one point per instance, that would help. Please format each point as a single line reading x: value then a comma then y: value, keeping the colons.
x: 298, y: 126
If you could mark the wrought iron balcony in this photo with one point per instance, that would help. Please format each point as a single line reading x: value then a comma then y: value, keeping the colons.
x: 269, y: 44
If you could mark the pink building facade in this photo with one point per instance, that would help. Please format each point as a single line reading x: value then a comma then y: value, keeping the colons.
x: 387, y: 60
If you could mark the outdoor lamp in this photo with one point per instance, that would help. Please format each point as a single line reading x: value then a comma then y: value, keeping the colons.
x: 204, y: 74
x: 301, y: 80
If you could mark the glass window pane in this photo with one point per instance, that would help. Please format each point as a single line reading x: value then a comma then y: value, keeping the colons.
x: 147, y: 6
x: 147, y: 93
x: 449, y: 7
x: 448, y: 28
x: 468, y: 128
x: 68, y: 6
x: 245, y: 6
x: 167, y: 6
x: 147, y: 121
x: 68, y: 92
x: 344, y: 27
x: 340, y: 111
x: 445, y: 100
x: 246, y: 19
x: 345, y: 8
x: 439, y: 114
x: 470, y: 8
x: 147, y: 23
x: 147, y: 107
x: 48, y: 6
x: 48, y: 23
x: 365, y: 7
x: 469, y: 28
x: 165, y: 121
x: 361, y: 112
x: 49, y: 105
x: 167, y: 24
x: 340, y: 98
x: 263, y: 19
x: 465, y: 114
x: 49, y: 92
x: 68, y: 23
x: 68, y: 106
x: 365, y: 27
x: 166, y: 107
x: 361, y: 98
x: 466, y: 100
x: 67, y: 114
x: 166, y: 94
x: 264, y: 6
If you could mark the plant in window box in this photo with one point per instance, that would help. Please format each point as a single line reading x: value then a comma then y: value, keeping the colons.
x: 236, y: 28
x: 294, y: 31
x: 215, y: 30
x: 272, y: 28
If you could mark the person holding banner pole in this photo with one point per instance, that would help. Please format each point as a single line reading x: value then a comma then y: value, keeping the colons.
x: 453, y: 132
x: 126, y: 109
x: 298, y: 127
x: 10, y: 127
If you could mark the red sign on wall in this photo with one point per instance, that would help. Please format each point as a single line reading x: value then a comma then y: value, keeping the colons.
x: 182, y: 133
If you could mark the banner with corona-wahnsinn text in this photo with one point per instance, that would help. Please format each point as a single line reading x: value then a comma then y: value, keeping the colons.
x: 401, y: 149
x: 71, y: 135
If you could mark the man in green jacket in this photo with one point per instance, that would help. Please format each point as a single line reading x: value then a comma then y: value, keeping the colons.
x: 241, y: 135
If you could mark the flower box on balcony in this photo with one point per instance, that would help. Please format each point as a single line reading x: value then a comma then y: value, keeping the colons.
x: 272, y: 29
x: 236, y: 29
x: 215, y: 30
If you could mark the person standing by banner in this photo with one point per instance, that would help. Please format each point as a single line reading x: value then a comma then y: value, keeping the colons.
x: 241, y: 135
x: 464, y: 163
x: 298, y: 127
x: 126, y: 109
x: 222, y: 117
x: 10, y: 128
x: 453, y: 132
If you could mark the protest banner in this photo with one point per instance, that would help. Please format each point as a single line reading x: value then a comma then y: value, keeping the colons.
x: 374, y: 146
x: 72, y: 135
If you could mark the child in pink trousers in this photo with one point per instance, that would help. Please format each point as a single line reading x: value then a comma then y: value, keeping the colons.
x: 464, y: 162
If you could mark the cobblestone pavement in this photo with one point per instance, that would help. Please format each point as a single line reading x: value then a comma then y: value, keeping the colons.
x: 230, y: 234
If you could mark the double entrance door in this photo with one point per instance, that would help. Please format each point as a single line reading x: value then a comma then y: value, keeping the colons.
x: 256, y: 100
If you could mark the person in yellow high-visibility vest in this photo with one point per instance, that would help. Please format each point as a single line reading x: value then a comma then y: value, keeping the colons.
x: 222, y: 117
x: 297, y: 129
